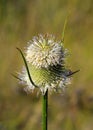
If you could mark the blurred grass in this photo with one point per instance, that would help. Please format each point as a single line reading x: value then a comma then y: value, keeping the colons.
x: 19, y: 21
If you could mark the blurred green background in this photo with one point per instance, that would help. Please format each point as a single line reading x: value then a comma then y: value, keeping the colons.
x: 19, y: 21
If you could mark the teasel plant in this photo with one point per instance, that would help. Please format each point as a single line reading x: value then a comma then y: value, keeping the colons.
x: 44, y: 69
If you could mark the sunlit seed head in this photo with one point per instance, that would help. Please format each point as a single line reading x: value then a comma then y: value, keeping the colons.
x: 45, y: 57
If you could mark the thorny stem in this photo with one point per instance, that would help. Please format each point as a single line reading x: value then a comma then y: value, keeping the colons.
x: 45, y: 111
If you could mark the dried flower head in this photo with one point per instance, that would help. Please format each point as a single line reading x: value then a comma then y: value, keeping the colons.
x: 45, y: 57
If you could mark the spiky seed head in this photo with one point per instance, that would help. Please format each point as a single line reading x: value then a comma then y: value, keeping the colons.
x: 45, y: 57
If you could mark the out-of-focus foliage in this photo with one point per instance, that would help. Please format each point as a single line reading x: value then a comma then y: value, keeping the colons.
x: 19, y: 21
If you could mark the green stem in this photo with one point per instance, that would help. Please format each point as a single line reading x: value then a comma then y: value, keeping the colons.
x: 45, y: 111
